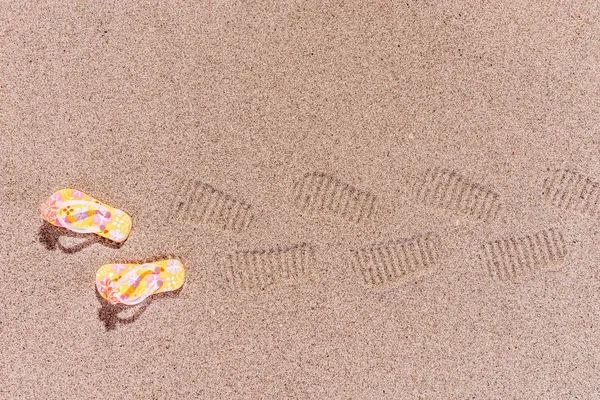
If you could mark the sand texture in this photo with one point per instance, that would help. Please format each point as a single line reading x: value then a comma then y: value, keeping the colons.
x: 373, y: 200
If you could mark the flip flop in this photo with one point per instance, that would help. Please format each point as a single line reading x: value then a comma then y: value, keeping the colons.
x: 82, y: 213
x: 131, y: 284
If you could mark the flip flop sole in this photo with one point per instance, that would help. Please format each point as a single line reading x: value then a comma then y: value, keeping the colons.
x: 79, y: 212
x: 164, y: 276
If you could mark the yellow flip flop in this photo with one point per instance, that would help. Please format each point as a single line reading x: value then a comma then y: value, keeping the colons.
x: 82, y: 213
x: 131, y: 284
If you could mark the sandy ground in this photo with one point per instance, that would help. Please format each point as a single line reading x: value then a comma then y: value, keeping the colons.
x: 421, y: 187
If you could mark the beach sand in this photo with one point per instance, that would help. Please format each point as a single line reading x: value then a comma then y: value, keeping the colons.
x: 372, y: 201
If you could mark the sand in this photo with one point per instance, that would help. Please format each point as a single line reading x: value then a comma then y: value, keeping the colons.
x: 414, y: 191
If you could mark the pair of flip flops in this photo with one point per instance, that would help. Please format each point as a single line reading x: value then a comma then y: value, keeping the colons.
x: 127, y: 284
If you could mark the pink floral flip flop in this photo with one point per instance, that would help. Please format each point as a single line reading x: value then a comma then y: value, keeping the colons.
x: 81, y: 213
x: 131, y: 284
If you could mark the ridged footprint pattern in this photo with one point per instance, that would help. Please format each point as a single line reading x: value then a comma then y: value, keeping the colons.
x: 444, y: 188
x: 317, y: 191
x: 254, y: 270
x: 201, y: 203
x: 513, y: 258
x: 394, y: 262
x: 570, y: 190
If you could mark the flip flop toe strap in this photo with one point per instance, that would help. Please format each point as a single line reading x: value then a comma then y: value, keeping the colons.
x: 150, y: 289
x: 100, y: 209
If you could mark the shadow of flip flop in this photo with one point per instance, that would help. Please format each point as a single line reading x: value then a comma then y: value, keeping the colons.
x: 109, y: 313
x: 49, y: 235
